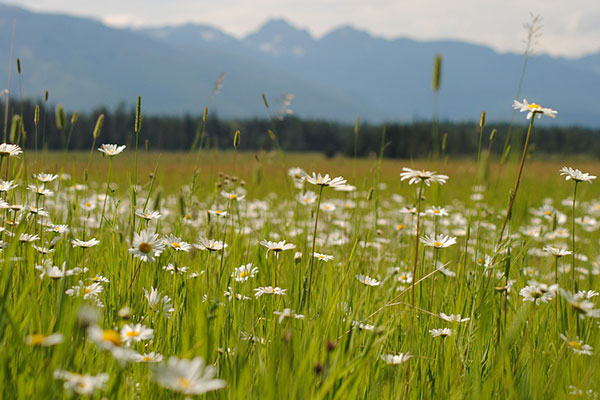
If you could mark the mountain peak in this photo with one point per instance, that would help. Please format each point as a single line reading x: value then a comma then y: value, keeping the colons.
x: 278, y: 37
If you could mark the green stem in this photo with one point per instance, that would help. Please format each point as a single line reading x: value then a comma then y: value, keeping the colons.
x: 312, y: 254
x: 514, y: 193
x: 575, y: 283
x: 416, y: 246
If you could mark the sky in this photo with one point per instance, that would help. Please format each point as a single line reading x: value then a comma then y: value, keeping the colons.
x: 569, y: 28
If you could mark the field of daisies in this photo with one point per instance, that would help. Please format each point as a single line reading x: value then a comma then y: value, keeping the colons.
x: 241, y: 279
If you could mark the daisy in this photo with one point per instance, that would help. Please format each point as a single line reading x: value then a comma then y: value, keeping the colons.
x: 85, y: 385
x: 11, y: 150
x: 148, y: 215
x: 444, y: 332
x: 6, y: 186
x: 105, y: 338
x: 60, y: 229
x: 438, y: 242
x: 135, y: 333
x: 27, y: 238
x: 233, y: 196
x: 42, y: 177
x: 533, y: 109
x: 154, y: 299
x: 218, y: 213
x: 583, y: 307
x: 190, y: 377
x: 453, y: 318
x: 174, y: 269
x: 230, y: 294
x: 319, y: 180
x: 577, y: 345
x: 418, y: 176
x: 146, y: 245
x: 393, y: 359
x: 177, y: 244
x: 39, y: 339
x: 576, y: 175
x: 150, y: 358
x: 538, y: 292
x: 111, y: 150
x: 366, y: 280
x: 259, y: 291
x: 85, y: 244
x: 322, y: 257
x: 211, y: 244
x: 437, y: 211
x: 244, y: 272
x: 88, y: 291
x: 277, y: 246
x: 287, y: 313
x: 556, y: 252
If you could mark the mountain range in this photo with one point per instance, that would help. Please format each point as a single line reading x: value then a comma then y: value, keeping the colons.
x: 85, y: 64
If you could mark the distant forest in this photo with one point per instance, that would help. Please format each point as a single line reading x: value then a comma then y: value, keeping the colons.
x: 188, y: 132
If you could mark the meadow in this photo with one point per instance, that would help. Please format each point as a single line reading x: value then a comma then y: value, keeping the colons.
x: 194, y: 274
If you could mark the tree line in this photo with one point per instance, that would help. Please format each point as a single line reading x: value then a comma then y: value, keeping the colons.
x: 188, y: 132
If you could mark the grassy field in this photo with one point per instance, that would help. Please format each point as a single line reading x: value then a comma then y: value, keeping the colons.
x: 387, y: 308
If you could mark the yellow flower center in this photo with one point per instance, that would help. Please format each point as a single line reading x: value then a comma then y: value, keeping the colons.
x: 87, y: 290
x: 438, y: 244
x: 146, y: 358
x: 548, y: 212
x: 403, y: 277
x: 132, y: 334
x: 436, y: 211
x: 400, y: 227
x: 232, y: 196
x: 244, y: 274
x: 534, y: 106
x: 184, y: 383
x: 576, y: 345
x: 111, y: 336
x: 145, y: 248
x: 88, y: 204
x: 37, y: 339
x: 176, y: 245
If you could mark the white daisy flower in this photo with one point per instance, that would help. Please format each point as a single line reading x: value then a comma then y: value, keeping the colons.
x: 418, y: 176
x: 396, y: 359
x: 533, y: 109
x: 576, y: 175
x: 259, y: 291
x: 366, y: 280
x: 190, y: 377
x: 146, y: 245
x: 577, y: 345
x: 135, y: 333
x: 320, y: 180
x: 244, y: 272
x: 444, y: 332
x: 111, y: 150
x: 439, y: 242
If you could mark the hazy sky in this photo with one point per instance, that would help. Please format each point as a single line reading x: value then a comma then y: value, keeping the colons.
x: 570, y: 28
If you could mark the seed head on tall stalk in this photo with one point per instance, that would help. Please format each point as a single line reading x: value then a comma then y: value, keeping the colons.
x: 576, y: 176
x: 532, y: 110
x: 423, y: 178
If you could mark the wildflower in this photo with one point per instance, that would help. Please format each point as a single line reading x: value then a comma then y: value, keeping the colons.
x: 174, y: 269
x: 577, y: 345
x: 322, y: 257
x: 277, y: 246
x: 319, y: 180
x: 418, y: 176
x: 135, y: 333
x: 150, y: 357
x: 533, y: 109
x: 287, y: 313
x: 233, y: 196
x: 444, y: 332
x: 556, y: 252
x: 218, y: 213
x: 453, y: 318
x: 154, y: 299
x: 105, y: 338
x: 85, y: 385
x: 366, y: 280
x: 243, y: 272
x: 39, y: 339
x: 259, y: 291
x: 211, y: 244
x: 393, y: 359
x: 99, y: 278
x: 148, y: 215
x: 53, y: 272
x: 27, y: 238
x: 40, y: 190
x: 111, y: 150
x: 89, y: 292
x: 6, y: 186
x: 437, y: 211
x: 438, y: 242
x: 146, y: 245
x: 11, y: 150
x: 230, y: 294
x: 576, y: 175
x: 583, y: 307
x: 538, y: 292
x: 190, y: 377
x: 177, y: 244
x: 85, y: 244
x: 42, y: 177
